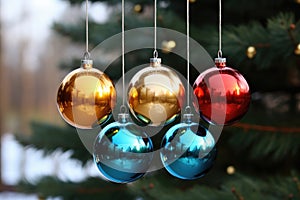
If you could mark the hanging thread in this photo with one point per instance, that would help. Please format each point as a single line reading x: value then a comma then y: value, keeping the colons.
x: 188, y: 51
x: 155, y: 53
x: 86, y: 54
x: 220, y: 30
x: 123, y: 108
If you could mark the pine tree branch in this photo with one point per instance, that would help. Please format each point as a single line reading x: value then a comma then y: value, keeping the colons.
x: 92, y: 188
x: 237, y: 195
x: 297, y: 182
x: 266, y: 128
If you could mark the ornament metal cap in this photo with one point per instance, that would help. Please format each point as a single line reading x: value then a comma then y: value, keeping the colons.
x: 220, y: 62
x: 123, y: 117
x: 87, y: 63
x: 188, y: 117
x: 155, y: 60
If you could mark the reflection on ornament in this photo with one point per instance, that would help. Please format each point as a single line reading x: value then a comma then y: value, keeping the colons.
x: 251, y: 52
x: 168, y: 46
x: 188, y: 150
x: 122, y: 151
x: 223, y: 95
x: 297, y: 49
x: 86, y: 97
x: 192, y: 1
x: 155, y: 95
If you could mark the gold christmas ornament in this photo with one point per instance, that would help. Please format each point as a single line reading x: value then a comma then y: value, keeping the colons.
x: 251, y: 52
x: 86, y: 97
x: 155, y: 95
x: 297, y: 49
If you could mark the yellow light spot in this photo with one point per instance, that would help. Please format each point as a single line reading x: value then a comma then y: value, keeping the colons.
x: 172, y: 44
x: 251, y: 52
x: 137, y: 8
x: 168, y: 46
x: 297, y: 50
x: 230, y: 170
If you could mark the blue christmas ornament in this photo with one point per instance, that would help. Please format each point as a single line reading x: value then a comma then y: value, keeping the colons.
x: 188, y: 150
x: 122, y: 151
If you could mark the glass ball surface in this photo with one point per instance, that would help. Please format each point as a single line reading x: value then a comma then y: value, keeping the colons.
x: 223, y: 95
x: 188, y: 151
x: 123, y: 152
x: 155, y: 96
x: 85, y: 98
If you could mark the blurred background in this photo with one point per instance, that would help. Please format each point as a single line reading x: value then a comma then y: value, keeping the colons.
x: 41, y: 41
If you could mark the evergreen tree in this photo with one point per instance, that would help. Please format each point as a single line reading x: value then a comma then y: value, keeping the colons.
x: 258, y: 158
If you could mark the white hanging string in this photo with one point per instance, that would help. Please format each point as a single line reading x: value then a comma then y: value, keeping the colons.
x: 123, y: 55
x: 86, y: 54
x: 220, y: 30
x: 188, y: 51
x: 155, y: 53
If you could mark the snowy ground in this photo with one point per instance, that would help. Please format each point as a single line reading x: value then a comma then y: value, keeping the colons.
x: 27, y: 163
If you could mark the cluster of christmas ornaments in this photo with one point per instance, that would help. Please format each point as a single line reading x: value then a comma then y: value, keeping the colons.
x: 123, y: 151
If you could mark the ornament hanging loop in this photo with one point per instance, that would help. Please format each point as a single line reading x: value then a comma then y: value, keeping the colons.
x: 123, y: 109
x: 220, y: 30
x: 86, y: 62
x: 155, y: 54
x: 188, y: 110
x: 220, y: 54
x: 220, y: 61
x: 188, y: 114
x: 86, y: 55
x: 188, y: 55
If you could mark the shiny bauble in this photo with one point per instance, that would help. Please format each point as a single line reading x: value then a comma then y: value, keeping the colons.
x: 122, y: 151
x: 86, y: 97
x: 155, y: 95
x: 223, y: 95
x: 188, y: 150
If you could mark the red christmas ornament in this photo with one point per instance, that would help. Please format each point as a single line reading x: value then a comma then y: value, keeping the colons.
x: 223, y: 95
